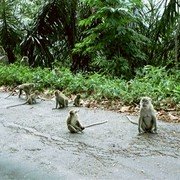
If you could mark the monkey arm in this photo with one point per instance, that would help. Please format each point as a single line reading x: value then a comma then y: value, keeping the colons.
x: 79, y: 129
x: 68, y: 121
x: 76, y: 102
x: 72, y: 129
x: 155, y: 123
x: 20, y: 92
x: 56, y: 104
x: 34, y: 101
x: 66, y: 103
x: 79, y: 125
x: 139, y: 124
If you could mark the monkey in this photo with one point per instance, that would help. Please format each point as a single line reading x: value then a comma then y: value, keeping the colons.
x: 77, y: 101
x: 26, y: 87
x: 147, y: 119
x: 73, y: 123
x: 61, y: 100
x: 2, y: 51
x: 4, y: 60
x: 3, y: 56
x: 31, y: 100
x: 25, y: 60
x: 56, y: 72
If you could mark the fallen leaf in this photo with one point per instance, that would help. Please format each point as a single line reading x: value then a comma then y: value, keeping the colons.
x: 125, y: 109
x: 172, y: 117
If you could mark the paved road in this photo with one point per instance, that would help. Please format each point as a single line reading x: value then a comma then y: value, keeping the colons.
x: 35, y: 144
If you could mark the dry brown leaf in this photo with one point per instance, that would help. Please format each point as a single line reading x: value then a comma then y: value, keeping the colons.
x: 3, y: 89
x: 125, y: 109
x: 172, y: 117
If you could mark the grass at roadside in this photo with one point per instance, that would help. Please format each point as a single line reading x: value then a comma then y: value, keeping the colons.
x: 162, y: 86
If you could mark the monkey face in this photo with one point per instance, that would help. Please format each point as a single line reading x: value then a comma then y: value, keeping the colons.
x: 73, y: 112
x: 78, y: 96
x: 56, y: 93
x: 145, y: 101
x: 36, y: 92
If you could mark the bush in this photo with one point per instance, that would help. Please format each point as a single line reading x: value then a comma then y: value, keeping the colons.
x: 155, y: 82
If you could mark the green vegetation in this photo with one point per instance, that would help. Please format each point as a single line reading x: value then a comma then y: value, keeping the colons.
x: 104, y: 49
x: 149, y: 81
x: 114, y: 37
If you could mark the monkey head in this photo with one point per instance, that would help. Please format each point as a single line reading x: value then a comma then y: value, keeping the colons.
x: 145, y: 102
x: 73, y: 112
x: 56, y: 93
x: 36, y: 92
x: 78, y: 96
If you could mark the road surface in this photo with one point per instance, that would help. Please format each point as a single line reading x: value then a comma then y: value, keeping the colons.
x: 35, y: 144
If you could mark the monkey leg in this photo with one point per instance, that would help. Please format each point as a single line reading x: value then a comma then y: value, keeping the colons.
x: 149, y: 131
x: 27, y: 94
x: 65, y: 104
x: 79, y: 128
x: 61, y: 105
x: 152, y: 131
x: 147, y: 128
x: 72, y: 129
x: 20, y: 92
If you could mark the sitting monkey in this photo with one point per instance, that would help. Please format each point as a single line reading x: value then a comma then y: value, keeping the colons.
x: 77, y: 101
x: 147, y: 117
x: 61, y: 100
x: 73, y: 123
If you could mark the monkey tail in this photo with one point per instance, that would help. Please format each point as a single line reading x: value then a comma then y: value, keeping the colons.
x: 16, y: 105
x: 10, y: 93
x: 95, y: 124
x: 131, y: 121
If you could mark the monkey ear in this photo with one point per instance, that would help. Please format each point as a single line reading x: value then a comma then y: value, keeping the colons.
x: 77, y: 110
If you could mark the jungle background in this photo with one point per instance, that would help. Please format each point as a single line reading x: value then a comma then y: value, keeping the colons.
x: 112, y: 52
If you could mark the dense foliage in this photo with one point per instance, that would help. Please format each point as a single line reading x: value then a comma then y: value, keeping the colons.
x: 150, y: 81
x: 112, y: 37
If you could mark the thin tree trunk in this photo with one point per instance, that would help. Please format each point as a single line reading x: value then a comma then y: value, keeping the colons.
x: 177, y: 49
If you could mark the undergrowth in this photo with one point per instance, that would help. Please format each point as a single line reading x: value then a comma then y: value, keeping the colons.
x: 162, y: 86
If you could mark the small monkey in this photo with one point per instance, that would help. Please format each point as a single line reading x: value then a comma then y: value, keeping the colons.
x: 73, y: 123
x: 3, y: 56
x: 25, y: 60
x: 77, y: 101
x: 61, y: 100
x: 30, y: 100
x: 2, y: 51
x: 147, y: 117
x: 26, y: 87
